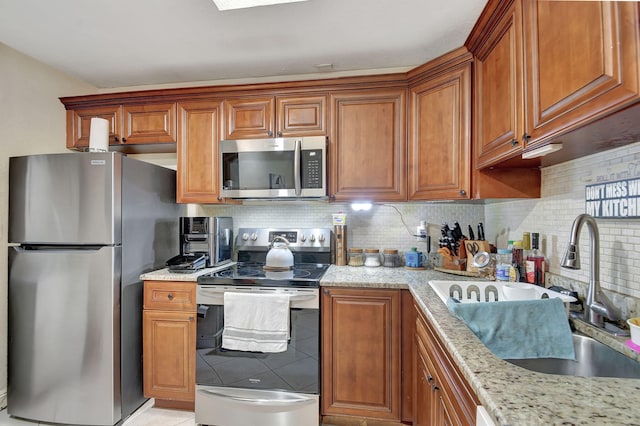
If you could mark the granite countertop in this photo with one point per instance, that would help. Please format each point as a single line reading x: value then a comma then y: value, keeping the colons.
x: 511, y: 394
x: 165, y: 275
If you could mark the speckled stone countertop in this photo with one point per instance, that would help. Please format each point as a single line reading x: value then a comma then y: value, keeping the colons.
x: 511, y: 394
x: 166, y: 275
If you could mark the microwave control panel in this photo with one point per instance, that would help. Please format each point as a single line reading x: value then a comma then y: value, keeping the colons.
x: 312, y: 168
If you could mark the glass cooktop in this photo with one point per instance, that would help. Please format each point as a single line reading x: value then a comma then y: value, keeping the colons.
x: 248, y: 273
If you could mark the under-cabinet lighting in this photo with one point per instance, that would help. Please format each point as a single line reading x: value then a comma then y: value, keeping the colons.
x: 243, y: 4
x: 361, y: 206
x: 542, y: 151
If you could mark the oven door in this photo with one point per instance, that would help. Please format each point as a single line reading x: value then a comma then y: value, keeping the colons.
x: 241, y: 384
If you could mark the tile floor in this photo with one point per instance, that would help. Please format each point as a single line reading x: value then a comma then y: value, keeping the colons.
x: 147, y: 415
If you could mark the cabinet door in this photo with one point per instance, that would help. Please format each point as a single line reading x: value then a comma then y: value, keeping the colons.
x: 149, y: 123
x: 361, y: 353
x: 452, y: 402
x: 368, y: 145
x: 169, y: 346
x: 424, y: 401
x: 301, y: 116
x: 199, y: 130
x: 498, y: 87
x: 79, y: 125
x: 440, y: 137
x: 250, y: 118
x: 582, y: 62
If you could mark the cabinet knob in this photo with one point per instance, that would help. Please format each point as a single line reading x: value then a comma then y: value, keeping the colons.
x: 526, y: 136
x: 170, y: 296
x: 434, y: 387
x: 429, y: 378
x: 463, y: 192
x: 115, y: 138
x: 279, y: 134
x: 270, y: 133
x: 124, y: 140
x: 219, y: 198
x: 326, y: 291
x: 514, y: 142
x: 191, y: 318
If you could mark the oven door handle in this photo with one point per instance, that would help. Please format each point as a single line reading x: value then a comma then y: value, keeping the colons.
x: 294, y: 298
x: 261, y: 401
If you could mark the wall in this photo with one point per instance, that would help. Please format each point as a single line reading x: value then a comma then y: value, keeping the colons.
x: 384, y: 226
x: 563, y: 198
x: 33, y: 121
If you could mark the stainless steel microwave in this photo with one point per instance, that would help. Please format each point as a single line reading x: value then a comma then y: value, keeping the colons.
x: 274, y: 168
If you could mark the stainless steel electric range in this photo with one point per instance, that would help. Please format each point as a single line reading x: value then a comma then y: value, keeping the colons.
x: 236, y: 388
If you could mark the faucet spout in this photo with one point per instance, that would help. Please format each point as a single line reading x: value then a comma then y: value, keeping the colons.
x: 598, y: 306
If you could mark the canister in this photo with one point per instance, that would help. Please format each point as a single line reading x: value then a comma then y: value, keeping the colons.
x: 356, y: 258
x: 372, y: 257
x: 391, y: 258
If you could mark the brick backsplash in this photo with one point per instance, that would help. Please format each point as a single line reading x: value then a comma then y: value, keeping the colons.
x: 384, y: 226
x: 563, y: 198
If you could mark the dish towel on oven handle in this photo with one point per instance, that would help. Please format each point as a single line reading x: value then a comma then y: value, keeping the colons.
x: 256, y: 322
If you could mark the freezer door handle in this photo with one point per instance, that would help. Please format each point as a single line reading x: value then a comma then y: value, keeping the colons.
x: 261, y: 401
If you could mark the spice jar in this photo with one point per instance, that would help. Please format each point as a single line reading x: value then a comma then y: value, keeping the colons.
x: 391, y: 259
x: 372, y: 257
x: 356, y: 258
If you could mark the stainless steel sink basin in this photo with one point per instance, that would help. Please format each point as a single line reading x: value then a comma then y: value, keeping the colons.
x: 593, y: 359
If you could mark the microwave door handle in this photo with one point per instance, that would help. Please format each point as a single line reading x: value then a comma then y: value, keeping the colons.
x: 296, y: 167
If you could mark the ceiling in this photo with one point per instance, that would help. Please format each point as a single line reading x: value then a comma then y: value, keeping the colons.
x: 120, y: 43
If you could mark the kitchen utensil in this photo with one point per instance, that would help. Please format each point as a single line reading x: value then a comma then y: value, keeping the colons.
x: 279, y: 256
x: 480, y: 231
x: 471, y: 234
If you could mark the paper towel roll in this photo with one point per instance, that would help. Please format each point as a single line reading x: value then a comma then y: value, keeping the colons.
x: 99, y: 135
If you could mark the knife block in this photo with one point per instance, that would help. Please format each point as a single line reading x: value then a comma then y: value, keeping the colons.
x: 471, y: 247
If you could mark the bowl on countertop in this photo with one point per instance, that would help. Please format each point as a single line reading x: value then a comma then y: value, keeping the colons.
x: 519, y: 291
x: 634, y: 327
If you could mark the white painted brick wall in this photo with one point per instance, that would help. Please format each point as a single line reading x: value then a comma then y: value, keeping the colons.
x: 563, y: 198
x: 381, y: 227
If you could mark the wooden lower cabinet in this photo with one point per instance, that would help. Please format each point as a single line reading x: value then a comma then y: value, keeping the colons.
x: 441, y: 394
x: 361, y: 357
x: 169, y: 343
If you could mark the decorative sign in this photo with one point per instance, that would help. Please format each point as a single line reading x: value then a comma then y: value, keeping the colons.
x: 618, y: 199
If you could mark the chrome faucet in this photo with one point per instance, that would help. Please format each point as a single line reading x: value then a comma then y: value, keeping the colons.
x: 597, y: 305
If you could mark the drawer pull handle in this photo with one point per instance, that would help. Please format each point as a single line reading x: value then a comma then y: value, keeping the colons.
x: 170, y: 296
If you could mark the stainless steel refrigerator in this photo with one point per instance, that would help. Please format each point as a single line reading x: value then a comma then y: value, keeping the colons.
x: 83, y: 227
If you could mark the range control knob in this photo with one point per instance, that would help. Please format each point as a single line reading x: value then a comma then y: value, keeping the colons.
x: 321, y: 238
x: 312, y: 238
x: 254, y: 236
x: 303, y: 238
x: 245, y: 236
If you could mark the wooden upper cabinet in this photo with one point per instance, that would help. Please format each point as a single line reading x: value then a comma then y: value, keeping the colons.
x: 250, y: 118
x: 440, y: 137
x: 301, y: 115
x: 199, y: 130
x: 79, y: 125
x: 498, y: 109
x: 148, y: 123
x: 581, y: 62
x: 280, y: 116
x: 368, y: 145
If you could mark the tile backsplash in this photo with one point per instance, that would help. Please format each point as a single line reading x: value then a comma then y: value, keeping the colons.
x: 563, y: 198
x: 552, y: 215
x: 384, y: 226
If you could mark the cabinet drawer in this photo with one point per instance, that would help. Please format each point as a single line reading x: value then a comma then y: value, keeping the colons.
x: 170, y: 295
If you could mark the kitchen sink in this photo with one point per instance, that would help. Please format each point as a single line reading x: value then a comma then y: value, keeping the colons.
x: 491, y: 291
x: 593, y: 359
